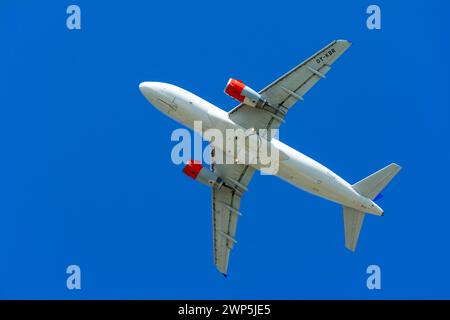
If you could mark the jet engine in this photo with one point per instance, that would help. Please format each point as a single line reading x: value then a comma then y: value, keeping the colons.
x: 243, y: 93
x: 198, y: 172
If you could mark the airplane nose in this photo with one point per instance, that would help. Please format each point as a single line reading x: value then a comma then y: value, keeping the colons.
x: 147, y: 89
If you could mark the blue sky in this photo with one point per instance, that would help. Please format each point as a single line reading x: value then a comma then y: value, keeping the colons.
x: 87, y: 177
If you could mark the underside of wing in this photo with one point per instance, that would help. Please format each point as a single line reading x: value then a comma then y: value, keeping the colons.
x: 225, y: 214
x: 226, y: 201
x: 288, y: 89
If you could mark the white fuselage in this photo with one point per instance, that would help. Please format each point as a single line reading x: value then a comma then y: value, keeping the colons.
x: 294, y: 167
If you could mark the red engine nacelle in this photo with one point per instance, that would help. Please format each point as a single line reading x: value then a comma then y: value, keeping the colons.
x: 243, y: 93
x: 198, y: 172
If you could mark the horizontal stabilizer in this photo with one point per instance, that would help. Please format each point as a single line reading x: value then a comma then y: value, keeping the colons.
x: 353, y: 220
x: 371, y: 186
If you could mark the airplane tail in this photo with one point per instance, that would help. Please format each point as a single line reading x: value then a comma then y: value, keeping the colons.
x: 369, y: 187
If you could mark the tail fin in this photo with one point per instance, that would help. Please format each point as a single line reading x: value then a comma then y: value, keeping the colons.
x: 368, y: 187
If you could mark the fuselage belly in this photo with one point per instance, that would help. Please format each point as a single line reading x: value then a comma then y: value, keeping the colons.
x: 294, y: 167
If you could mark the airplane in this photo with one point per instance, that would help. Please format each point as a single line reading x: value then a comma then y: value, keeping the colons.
x: 267, y: 109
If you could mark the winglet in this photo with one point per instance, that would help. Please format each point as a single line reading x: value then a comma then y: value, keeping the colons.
x: 349, y: 43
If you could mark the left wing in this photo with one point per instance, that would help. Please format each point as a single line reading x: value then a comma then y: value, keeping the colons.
x: 226, y: 202
x: 288, y: 89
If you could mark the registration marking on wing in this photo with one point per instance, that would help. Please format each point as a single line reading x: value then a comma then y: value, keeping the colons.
x: 325, y: 56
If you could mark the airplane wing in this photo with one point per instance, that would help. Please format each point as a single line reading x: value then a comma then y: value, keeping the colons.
x: 288, y: 89
x: 226, y: 202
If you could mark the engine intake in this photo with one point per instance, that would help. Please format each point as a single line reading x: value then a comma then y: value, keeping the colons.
x: 198, y: 172
x: 243, y: 93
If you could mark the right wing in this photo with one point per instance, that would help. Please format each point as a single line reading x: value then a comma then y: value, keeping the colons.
x: 288, y: 89
x: 226, y: 202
